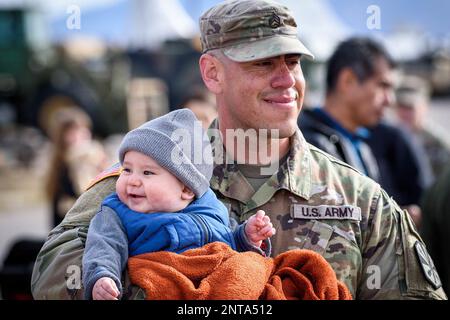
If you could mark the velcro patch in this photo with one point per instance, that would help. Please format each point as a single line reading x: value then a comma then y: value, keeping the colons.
x: 345, y: 212
x: 428, y: 268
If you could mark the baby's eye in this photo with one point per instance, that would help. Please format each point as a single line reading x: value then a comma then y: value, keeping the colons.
x: 127, y: 170
x: 147, y: 173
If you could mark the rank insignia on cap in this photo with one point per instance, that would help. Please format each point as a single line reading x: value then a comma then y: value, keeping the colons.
x: 427, y: 264
x: 274, y: 21
x: 216, y: 28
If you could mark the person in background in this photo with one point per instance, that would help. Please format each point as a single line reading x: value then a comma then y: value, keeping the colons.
x: 402, y: 165
x: 411, y: 111
x: 202, y: 104
x: 435, y: 228
x: 359, y: 86
x: 409, y: 154
x: 75, y: 160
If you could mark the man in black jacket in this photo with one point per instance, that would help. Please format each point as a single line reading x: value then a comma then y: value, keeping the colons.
x: 359, y: 82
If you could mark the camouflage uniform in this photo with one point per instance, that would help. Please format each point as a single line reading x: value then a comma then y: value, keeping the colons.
x: 382, y: 242
x: 436, y: 149
x: 436, y: 224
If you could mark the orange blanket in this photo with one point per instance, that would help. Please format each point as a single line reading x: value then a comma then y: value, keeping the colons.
x: 215, y: 271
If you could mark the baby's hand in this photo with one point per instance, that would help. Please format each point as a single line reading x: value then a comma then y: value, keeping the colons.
x: 105, y: 289
x: 258, y: 228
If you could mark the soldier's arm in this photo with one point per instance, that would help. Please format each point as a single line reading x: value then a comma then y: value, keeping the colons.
x: 396, y: 264
x: 57, y: 271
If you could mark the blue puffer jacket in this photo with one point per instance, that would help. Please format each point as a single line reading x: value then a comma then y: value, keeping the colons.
x: 205, y: 220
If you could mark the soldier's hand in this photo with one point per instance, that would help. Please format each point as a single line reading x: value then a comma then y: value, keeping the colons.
x: 258, y: 228
x: 105, y: 289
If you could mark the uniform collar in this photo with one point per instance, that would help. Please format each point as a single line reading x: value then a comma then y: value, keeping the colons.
x: 294, y: 175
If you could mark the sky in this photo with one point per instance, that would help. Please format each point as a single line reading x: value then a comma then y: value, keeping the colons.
x: 427, y: 15
x: 110, y: 19
x: 430, y: 15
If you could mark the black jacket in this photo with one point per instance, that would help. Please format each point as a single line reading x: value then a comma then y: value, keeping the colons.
x: 324, y: 137
x: 405, y: 171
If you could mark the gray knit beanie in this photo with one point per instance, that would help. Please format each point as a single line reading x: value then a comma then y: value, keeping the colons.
x: 177, y: 142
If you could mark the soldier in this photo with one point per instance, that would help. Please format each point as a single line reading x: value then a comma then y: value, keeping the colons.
x: 412, y: 108
x: 251, y: 62
x: 436, y: 224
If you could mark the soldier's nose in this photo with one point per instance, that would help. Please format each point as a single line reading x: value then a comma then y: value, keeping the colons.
x: 283, y: 77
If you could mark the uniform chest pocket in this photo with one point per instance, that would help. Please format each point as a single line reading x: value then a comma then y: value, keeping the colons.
x: 336, y: 242
x: 323, y: 237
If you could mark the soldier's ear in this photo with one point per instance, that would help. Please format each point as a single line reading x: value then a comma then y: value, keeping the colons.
x: 211, y: 71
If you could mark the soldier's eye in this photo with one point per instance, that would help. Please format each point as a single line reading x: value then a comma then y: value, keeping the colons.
x: 293, y: 62
x: 264, y: 63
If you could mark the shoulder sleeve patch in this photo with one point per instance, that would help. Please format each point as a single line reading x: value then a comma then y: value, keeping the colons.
x: 428, y: 268
x: 112, y: 171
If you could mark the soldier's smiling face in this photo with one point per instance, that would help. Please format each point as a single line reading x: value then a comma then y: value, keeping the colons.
x: 262, y: 94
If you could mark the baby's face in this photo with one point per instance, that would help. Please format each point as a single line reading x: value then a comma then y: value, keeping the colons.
x: 145, y: 186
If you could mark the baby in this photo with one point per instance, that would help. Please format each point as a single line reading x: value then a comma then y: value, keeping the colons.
x: 162, y: 204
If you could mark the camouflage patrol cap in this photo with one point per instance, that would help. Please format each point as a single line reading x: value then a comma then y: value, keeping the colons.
x: 248, y: 30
